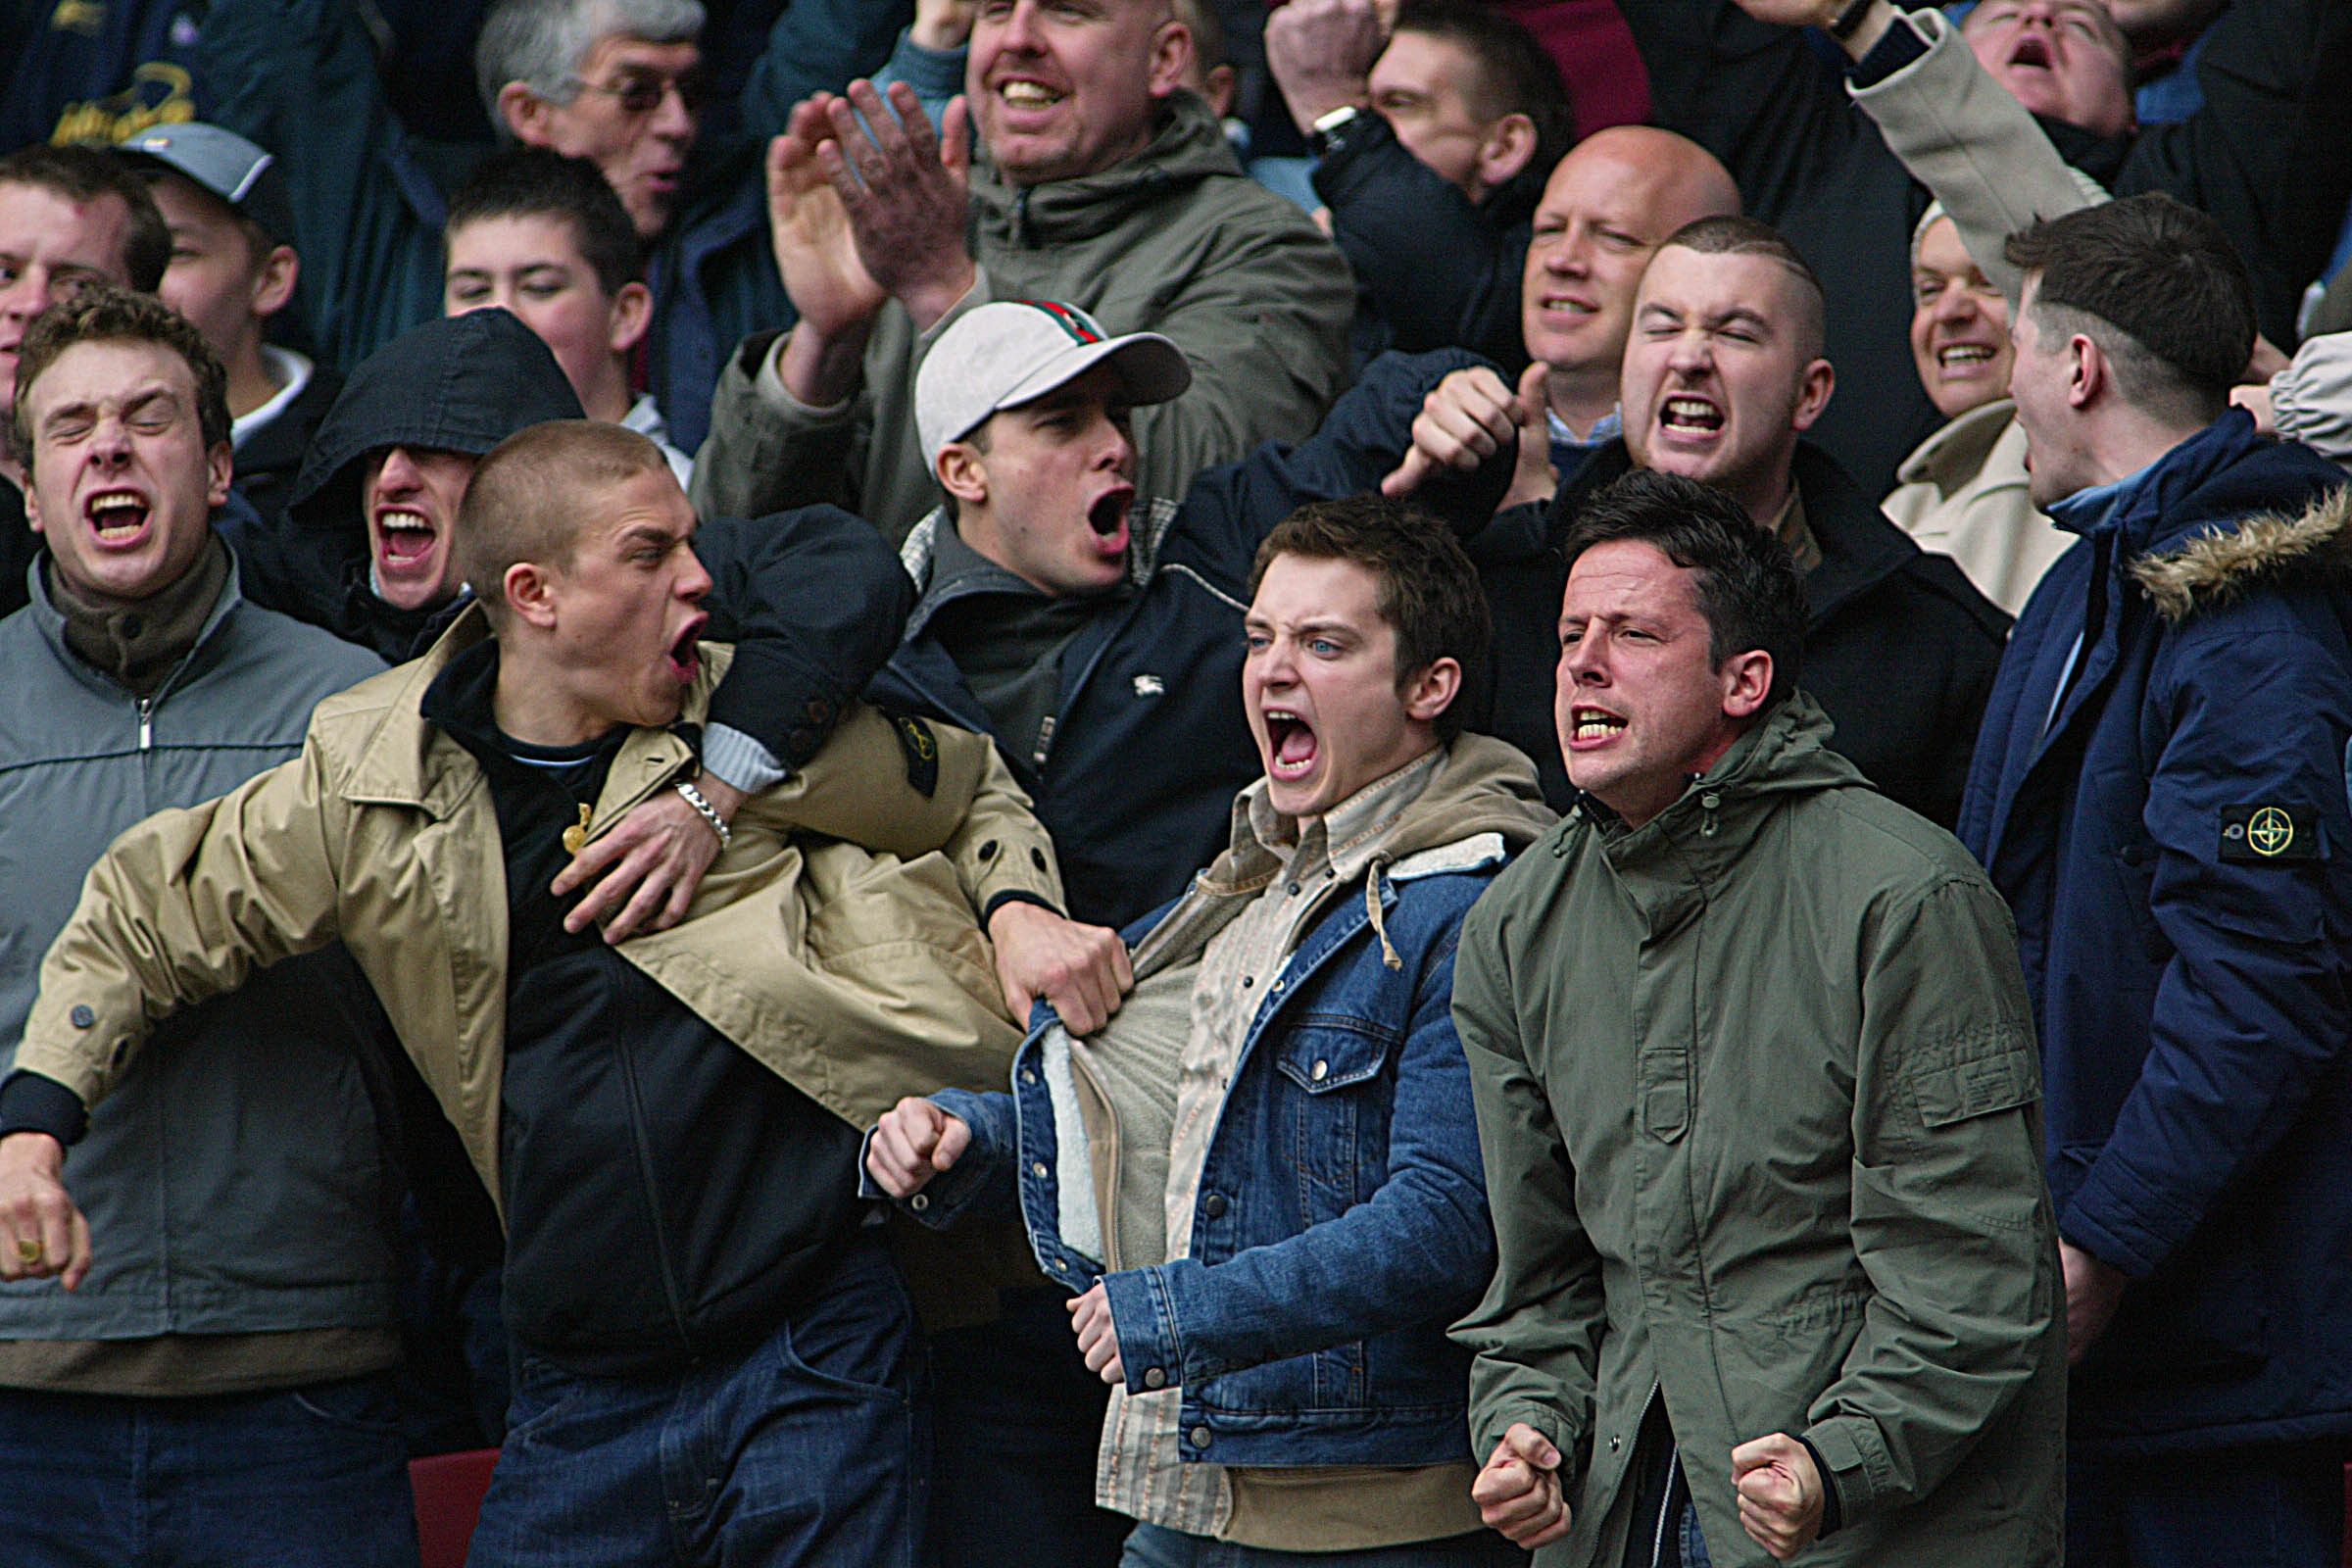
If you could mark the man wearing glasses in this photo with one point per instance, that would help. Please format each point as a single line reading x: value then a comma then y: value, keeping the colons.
x: 614, y: 82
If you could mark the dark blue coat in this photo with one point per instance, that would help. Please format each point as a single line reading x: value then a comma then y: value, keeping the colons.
x: 1147, y: 747
x: 2177, y: 849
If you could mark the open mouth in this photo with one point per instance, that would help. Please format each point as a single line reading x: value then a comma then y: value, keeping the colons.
x: 1021, y: 93
x: 1691, y: 415
x: 117, y: 517
x: 1592, y: 726
x: 1564, y: 305
x: 685, y: 654
x: 2033, y: 51
x: 1291, y: 741
x: 1955, y: 355
x: 405, y: 539
x: 1108, y: 517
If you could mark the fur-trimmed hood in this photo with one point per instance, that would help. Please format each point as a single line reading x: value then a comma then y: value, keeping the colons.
x: 2216, y: 565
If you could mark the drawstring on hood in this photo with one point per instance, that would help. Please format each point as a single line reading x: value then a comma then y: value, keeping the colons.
x: 1379, y: 929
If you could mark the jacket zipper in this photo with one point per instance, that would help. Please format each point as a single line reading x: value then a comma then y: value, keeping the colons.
x: 146, y: 723
x: 653, y: 1199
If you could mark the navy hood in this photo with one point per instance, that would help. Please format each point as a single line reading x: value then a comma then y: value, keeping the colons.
x: 463, y: 383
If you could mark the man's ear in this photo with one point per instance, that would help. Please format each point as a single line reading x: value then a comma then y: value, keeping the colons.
x: 1431, y: 692
x: 1509, y: 147
x: 1813, y: 394
x: 1171, y: 57
x: 1222, y: 85
x: 219, y: 469
x: 530, y: 594
x: 2088, y: 374
x: 524, y: 113
x: 1746, y: 683
x: 963, y: 472
x: 19, y: 475
x: 274, y: 279
x: 632, y: 312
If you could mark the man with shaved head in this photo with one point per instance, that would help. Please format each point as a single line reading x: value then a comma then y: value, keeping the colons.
x: 2263, y: 156
x: 1723, y: 375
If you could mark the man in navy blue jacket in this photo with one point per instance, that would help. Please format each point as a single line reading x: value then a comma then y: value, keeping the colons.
x: 2159, y: 792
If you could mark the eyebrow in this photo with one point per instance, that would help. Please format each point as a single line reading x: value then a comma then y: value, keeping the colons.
x: 131, y: 405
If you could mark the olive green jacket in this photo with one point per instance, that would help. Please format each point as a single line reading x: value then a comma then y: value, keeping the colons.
x: 860, y: 974
x: 1758, y: 1098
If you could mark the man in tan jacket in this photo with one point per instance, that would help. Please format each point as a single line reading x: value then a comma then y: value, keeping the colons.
x: 670, y: 1124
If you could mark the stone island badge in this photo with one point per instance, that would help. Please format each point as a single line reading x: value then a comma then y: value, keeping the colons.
x: 922, y: 753
x: 575, y: 837
x: 2263, y: 833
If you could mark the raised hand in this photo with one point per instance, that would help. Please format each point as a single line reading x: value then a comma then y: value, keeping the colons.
x: 906, y: 192
x: 1320, y: 53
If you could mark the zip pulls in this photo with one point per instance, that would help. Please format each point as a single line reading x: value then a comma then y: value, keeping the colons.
x: 146, y: 723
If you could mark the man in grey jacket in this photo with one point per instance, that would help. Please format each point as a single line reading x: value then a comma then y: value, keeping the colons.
x: 220, y: 1374
x: 1105, y: 185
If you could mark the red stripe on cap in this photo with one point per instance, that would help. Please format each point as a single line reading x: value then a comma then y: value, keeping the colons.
x: 1069, y: 320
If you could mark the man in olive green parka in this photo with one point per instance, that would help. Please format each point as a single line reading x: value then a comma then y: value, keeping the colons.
x: 1759, y: 1107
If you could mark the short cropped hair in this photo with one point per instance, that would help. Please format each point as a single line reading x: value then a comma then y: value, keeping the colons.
x: 1429, y: 591
x: 112, y: 315
x: 1748, y: 584
x: 543, y: 43
x: 1202, y: 21
x: 1515, y: 75
x: 1733, y: 236
x: 529, y: 498
x: 84, y: 174
x: 539, y: 182
x: 2160, y: 277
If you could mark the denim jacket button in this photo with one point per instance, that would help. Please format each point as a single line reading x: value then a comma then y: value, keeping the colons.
x: 920, y: 1202
x: 1319, y: 1071
x: 1029, y: 1075
x: 1038, y: 1168
x: 1199, y: 1436
x: 1156, y: 1379
x: 1214, y: 1207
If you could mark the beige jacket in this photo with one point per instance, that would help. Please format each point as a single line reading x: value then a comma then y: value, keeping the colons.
x: 858, y: 974
x: 1963, y: 493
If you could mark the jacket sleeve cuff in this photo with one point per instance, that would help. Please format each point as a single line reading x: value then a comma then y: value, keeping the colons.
x: 2118, y: 1219
x: 1896, y: 48
x: 769, y: 384
x: 1833, y: 1514
x: 1855, y: 1470
x: 984, y: 1178
x: 32, y: 1103
x: 1145, y: 1320
x: 740, y: 761
x: 998, y: 900
x: 935, y: 75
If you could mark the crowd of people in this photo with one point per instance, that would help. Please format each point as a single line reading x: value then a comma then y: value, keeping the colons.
x: 1177, y: 783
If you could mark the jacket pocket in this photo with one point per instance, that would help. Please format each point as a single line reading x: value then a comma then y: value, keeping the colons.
x: 1953, y: 1091
x: 1335, y: 1063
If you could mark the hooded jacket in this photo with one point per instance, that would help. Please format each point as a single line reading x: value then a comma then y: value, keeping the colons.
x: 1900, y: 650
x: 1343, y: 1219
x: 1173, y: 240
x: 813, y: 600
x: 1758, y: 1078
x: 2175, y: 840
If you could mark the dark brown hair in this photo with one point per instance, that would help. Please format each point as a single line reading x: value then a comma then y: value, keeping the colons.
x: 1515, y: 75
x: 112, y: 315
x: 85, y: 174
x: 1429, y: 591
x: 1734, y: 235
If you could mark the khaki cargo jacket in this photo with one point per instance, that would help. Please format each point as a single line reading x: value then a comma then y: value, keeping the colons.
x: 837, y: 940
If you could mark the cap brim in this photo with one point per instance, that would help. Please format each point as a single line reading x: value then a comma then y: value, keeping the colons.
x: 1150, y: 368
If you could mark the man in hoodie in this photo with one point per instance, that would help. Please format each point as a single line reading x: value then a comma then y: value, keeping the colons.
x: 1261, y: 1180
x: 1105, y: 184
x: 2159, y: 794
x: 1757, y: 1098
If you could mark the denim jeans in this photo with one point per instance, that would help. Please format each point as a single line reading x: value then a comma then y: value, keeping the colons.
x: 810, y: 1446
x: 287, y: 1480
x: 1151, y: 1546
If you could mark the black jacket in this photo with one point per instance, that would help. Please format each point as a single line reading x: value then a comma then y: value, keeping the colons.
x: 271, y: 457
x: 1900, y: 651
x: 812, y: 598
x: 1147, y: 746
x: 2265, y: 156
x: 1433, y: 269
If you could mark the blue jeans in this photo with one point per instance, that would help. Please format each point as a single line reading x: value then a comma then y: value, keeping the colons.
x: 810, y: 1446
x: 287, y: 1480
x: 1151, y: 1546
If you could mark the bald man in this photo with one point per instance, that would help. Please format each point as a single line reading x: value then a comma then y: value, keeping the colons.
x: 1606, y: 209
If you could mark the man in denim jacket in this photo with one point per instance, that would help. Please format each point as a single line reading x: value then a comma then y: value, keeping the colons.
x: 1262, y: 1178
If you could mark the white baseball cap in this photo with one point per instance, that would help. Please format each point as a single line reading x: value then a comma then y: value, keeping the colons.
x: 1010, y: 352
